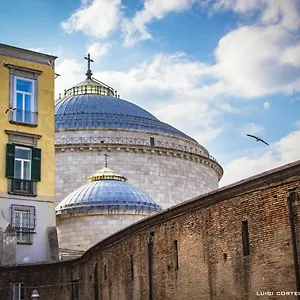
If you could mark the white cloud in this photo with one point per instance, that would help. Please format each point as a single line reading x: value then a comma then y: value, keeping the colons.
x: 286, y: 13
x: 291, y: 55
x: 71, y: 73
x: 40, y: 49
x: 171, y: 88
x: 96, y: 18
x: 279, y: 153
x: 266, y: 105
x: 250, y: 64
x: 136, y: 29
x: 98, y: 49
x: 250, y: 61
x: 252, y: 128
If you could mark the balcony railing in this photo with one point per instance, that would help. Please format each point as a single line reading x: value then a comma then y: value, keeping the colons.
x: 23, y: 116
x: 130, y: 141
x: 22, y: 186
x: 79, y: 90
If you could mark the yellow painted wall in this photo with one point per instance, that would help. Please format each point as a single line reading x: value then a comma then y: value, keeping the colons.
x: 45, y: 128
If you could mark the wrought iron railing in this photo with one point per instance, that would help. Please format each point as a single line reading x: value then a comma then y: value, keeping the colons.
x: 79, y: 90
x: 23, y: 116
x: 22, y: 186
x: 130, y: 141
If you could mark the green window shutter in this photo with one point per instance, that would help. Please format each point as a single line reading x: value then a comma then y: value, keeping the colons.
x: 10, y: 161
x: 36, y: 164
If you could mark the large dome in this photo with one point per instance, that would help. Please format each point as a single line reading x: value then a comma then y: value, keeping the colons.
x: 92, y: 104
x: 107, y: 190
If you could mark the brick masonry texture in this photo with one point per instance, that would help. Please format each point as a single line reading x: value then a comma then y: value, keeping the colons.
x: 205, y: 228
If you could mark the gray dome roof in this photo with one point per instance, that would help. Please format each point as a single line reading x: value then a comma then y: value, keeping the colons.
x: 102, y: 111
x: 107, y: 190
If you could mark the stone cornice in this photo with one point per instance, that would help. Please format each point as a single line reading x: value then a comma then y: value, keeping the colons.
x: 25, y: 134
x: 25, y: 54
x: 24, y: 69
x: 68, y: 214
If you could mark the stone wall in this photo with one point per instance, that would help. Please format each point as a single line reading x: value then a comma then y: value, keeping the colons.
x: 191, y: 251
x: 168, y: 177
x: 81, y: 231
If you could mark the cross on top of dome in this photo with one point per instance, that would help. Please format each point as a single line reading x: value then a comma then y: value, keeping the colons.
x: 89, y: 72
x: 105, y: 155
x: 91, y: 85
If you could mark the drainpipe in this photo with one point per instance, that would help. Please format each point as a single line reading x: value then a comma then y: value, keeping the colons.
x: 292, y: 197
x: 150, y: 264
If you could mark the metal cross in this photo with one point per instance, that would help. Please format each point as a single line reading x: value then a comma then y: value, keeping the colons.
x: 106, y: 155
x: 88, y: 58
x: 89, y: 72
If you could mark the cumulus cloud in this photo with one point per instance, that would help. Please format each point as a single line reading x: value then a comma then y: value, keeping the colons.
x: 279, y: 153
x: 71, y: 73
x: 249, y: 61
x: 291, y: 55
x: 97, y: 18
x: 270, y: 12
x: 136, y: 29
x: 98, y: 49
x: 170, y: 86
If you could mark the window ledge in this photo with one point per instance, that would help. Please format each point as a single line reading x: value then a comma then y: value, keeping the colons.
x: 22, y: 194
x: 24, y: 243
x: 23, y: 124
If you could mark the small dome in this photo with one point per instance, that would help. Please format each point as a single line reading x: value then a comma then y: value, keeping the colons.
x: 107, y: 190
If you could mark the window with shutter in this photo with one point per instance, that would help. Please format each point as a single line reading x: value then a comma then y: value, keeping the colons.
x: 23, y: 168
x: 36, y: 164
x: 10, y: 160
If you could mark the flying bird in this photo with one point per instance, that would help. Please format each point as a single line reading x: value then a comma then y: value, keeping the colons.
x: 258, y: 139
x: 10, y: 109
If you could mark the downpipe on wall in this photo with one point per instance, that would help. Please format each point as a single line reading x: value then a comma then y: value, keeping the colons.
x: 291, y: 198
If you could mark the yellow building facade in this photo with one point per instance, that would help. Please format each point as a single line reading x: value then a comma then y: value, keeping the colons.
x: 27, y: 155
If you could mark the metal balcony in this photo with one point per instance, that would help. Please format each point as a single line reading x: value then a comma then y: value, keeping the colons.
x: 23, y: 187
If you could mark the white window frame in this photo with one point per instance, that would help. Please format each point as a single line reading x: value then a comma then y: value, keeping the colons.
x: 19, y: 286
x: 23, y: 234
x: 24, y: 230
x: 32, y: 100
x: 22, y: 160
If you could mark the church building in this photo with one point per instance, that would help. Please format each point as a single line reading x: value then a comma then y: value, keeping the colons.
x: 92, y: 121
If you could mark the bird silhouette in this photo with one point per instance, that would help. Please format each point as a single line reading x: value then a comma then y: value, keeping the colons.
x: 258, y: 139
x: 10, y: 109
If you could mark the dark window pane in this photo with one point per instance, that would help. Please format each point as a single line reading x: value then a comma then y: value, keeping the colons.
x: 23, y: 153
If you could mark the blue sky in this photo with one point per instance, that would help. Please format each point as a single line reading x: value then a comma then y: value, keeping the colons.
x: 215, y: 69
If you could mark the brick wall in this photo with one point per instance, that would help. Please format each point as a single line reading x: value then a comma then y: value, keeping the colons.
x: 210, y: 263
